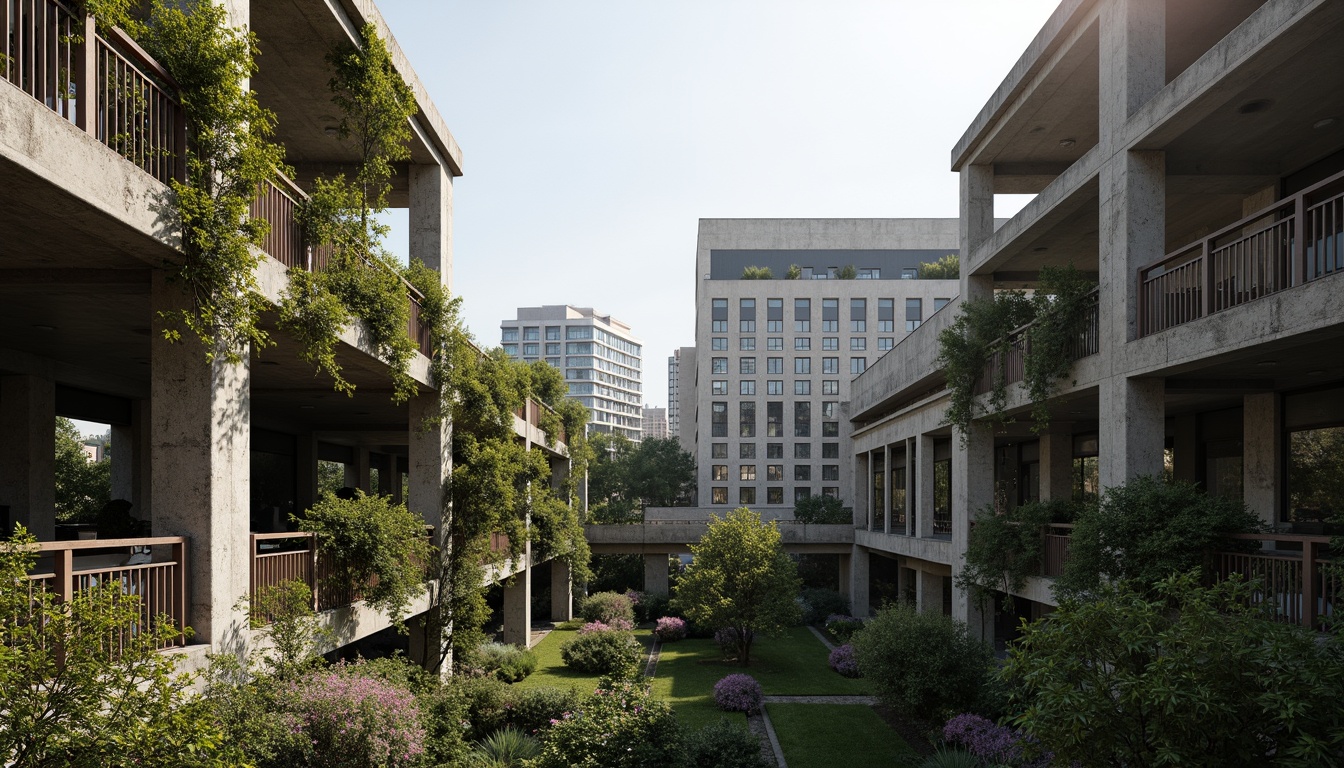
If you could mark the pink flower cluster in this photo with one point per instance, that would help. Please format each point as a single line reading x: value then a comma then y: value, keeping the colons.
x: 618, y: 625
x: 670, y: 629
x: 347, y: 712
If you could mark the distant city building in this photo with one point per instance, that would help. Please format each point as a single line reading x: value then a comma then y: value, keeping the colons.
x: 655, y: 423
x: 673, y: 391
x: 597, y: 353
x: 681, y: 397
x: 774, y: 357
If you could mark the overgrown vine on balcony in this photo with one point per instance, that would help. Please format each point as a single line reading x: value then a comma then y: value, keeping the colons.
x: 228, y: 154
x: 361, y: 278
x: 1058, y: 313
x: 1004, y: 548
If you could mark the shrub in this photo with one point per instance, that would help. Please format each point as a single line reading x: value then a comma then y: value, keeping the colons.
x: 739, y: 693
x: 509, y: 663
x: 756, y: 273
x: 619, y: 726
x: 843, y: 627
x: 532, y: 709
x: 923, y: 664
x: 844, y: 661
x: 1146, y: 531
x: 648, y: 607
x: 721, y: 745
x: 351, y: 718
x: 606, y: 607
x: 670, y: 629
x: 995, y: 744
x: 819, y: 603
x: 826, y: 510
x: 613, y: 652
x: 620, y: 625
x: 505, y: 748
x: 378, y: 549
x: 459, y: 712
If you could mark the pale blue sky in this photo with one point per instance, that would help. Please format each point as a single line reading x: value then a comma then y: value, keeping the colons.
x: 596, y: 134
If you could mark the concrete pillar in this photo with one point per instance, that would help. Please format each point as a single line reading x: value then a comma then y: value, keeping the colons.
x: 305, y: 471
x: 1133, y: 233
x: 862, y: 494
x: 200, y: 429
x: 429, y: 464
x: 518, y: 604
x: 656, y: 574
x: 928, y: 592
x: 912, y: 454
x: 362, y: 465
x: 562, y: 591
x: 1262, y: 455
x: 859, y: 570
x: 977, y: 215
x: 387, y: 467
x: 1056, y: 455
x: 886, y: 488
x: 130, y: 460
x: 1133, y: 429
x: 431, y: 218
x: 923, y: 507
x: 1132, y: 60
x: 28, y: 453
x: 972, y: 492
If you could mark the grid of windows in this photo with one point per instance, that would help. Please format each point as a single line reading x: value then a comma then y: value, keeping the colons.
x: 774, y: 344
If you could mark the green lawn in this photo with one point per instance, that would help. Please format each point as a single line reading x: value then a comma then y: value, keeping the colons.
x: 793, y: 663
x: 814, y: 735
x: 551, y: 670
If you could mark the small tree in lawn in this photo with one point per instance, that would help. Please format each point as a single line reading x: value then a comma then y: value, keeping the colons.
x: 740, y: 579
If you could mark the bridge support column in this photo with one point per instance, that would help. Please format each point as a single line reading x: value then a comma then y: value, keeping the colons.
x: 655, y: 575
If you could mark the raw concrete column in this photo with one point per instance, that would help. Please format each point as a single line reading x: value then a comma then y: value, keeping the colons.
x: 28, y: 453
x: 886, y: 486
x: 655, y: 575
x: 912, y: 454
x: 1132, y: 60
x: 431, y: 218
x: 972, y: 491
x: 977, y: 215
x: 1133, y: 223
x: 1056, y: 453
x: 305, y: 471
x: 859, y: 568
x: 1133, y: 429
x: 562, y: 591
x: 518, y: 604
x: 923, y: 506
x: 928, y: 592
x: 200, y: 429
x: 1262, y: 452
x: 429, y: 464
x: 361, y: 467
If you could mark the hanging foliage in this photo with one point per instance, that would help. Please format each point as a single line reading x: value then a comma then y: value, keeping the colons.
x: 228, y: 154
x: 965, y: 347
x: 1063, y: 308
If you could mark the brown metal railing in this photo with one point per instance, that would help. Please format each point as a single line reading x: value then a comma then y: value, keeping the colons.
x: 1293, y: 583
x: 1011, y: 364
x: 1056, y: 549
x: 160, y: 586
x: 277, y: 203
x: 39, y: 50
x: 1292, y: 242
x: 139, y: 116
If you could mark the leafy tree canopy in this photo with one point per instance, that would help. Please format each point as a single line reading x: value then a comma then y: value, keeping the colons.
x: 740, y: 578
x: 946, y: 268
x: 82, y: 487
x: 822, y: 509
x: 626, y: 476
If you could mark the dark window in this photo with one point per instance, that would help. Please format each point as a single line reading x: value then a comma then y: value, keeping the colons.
x: 718, y: 450
x: 774, y: 450
x: 830, y: 472
x: 746, y: 451
x: 720, y: 310
x: 802, y: 473
x: 718, y: 496
x: 802, y: 309
x: 746, y: 495
x: 802, y: 450
x: 830, y: 309
x: 774, y: 419
x: 830, y: 450
x: 774, y: 309
x: 830, y: 429
x: 774, y: 495
x: 718, y: 420
x: 802, y: 419
x: 747, y: 307
x: 747, y: 419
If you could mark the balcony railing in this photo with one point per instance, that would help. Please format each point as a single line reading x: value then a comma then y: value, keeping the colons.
x: 1056, y: 549
x: 1295, y: 583
x: 1290, y: 243
x: 281, y: 557
x: 1011, y: 363
x: 110, y: 87
x: 160, y: 585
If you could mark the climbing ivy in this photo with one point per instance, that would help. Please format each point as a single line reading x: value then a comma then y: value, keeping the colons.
x: 1058, y: 314
x: 1004, y: 548
x: 361, y: 278
x: 228, y: 154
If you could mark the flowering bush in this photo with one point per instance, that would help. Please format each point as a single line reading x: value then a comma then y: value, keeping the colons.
x: 995, y: 744
x: 606, y: 607
x: 507, y: 662
x: 728, y: 641
x: 739, y: 693
x: 353, y: 719
x: 620, y: 726
x: 844, y: 661
x: 607, y: 652
x: 620, y: 625
x: 843, y: 627
x: 670, y: 629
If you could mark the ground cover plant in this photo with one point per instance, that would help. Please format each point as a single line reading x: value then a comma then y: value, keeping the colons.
x: 551, y: 669
x: 815, y: 735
